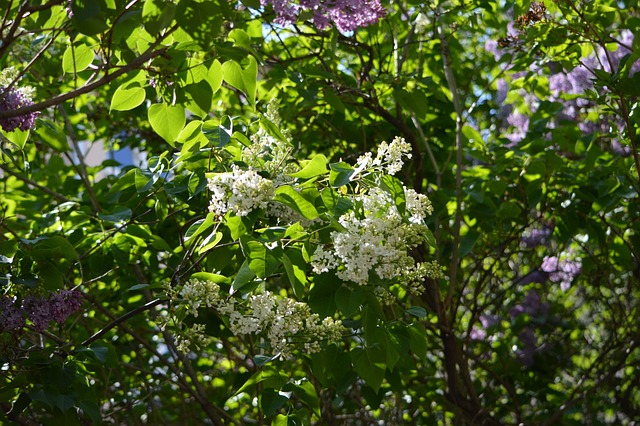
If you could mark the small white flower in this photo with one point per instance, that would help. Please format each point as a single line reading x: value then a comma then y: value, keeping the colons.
x: 239, y: 191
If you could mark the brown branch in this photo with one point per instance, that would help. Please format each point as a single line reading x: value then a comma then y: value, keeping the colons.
x: 34, y: 184
x: 107, y: 78
x: 122, y: 319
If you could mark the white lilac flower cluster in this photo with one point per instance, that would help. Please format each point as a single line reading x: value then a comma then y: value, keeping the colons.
x: 377, y: 240
x: 269, y: 153
x: 389, y: 157
x: 286, y: 323
x: 196, y: 293
x: 192, y: 336
x: 239, y: 191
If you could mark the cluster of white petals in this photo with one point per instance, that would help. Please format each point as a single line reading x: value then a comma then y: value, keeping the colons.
x: 240, y: 191
x: 196, y: 293
x: 418, y: 205
x: 389, y: 156
x: 286, y: 323
x: 192, y: 336
x: 377, y: 240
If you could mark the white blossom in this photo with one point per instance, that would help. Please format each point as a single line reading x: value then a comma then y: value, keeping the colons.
x: 285, y: 322
x: 196, y: 293
x: 418, y: 205
x: 389, y: 157
x: 239, y: 191
x: 376, y: 240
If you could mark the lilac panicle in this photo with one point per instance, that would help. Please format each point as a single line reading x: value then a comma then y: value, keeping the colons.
x: 346, y: 15
x: 11, y: 314
x: 12, y: 99
x: 38, y: 311
x: 42, y: 310
x: 64, y: 304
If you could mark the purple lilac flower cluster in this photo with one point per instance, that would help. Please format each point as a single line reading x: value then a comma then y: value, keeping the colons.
x: 487, y: 321
x: 12, y: 99
x: 39, y: 310
x: 561, y: 270
x: 532, y: 306
x: 535, y: 236
x: 346, y: 15
x: 572, y: 83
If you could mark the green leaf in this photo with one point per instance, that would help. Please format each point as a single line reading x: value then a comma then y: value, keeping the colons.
x: 336, y: 204
x: 269, y: 377
x: 210, y: 242
x: 340, y: 174
x: 77, y: 58
x: 208, y: 276
x: 272, y: 400
x: 125, y: 99
x: 90, y: 16
x: 262, y: 260
x: 244, y: 276
x: 322, y: 294
x: 52, y: 135
x: 198, y: 227
x: 243, y: 79
x: 417, y: 311
x: 418, y: 340
x: 280, y: 420
x: 53, y: 398
x: 118, y: 214
x: 307, y: 394
x: 17, y: 137
x: 370, y: 365
x: 315, y: 167
x: 395, y: 187
x: 349, y: 301
x: 236, y: 226
x: 219, y: 134
x: 215, y: 76
x: 295, y: 273
x: 290, y: 197
x: 158, y: 15
x: 167, y: 121
x: 55, y: 247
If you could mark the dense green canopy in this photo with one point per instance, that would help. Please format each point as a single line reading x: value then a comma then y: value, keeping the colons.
x: 319, y: 212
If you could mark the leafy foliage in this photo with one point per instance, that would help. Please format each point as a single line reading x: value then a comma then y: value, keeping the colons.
x: 263, y: 256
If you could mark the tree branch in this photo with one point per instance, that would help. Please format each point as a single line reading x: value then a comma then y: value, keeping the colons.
x: 107, y: 78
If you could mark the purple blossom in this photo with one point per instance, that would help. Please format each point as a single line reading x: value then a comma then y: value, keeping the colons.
x: 528, y: 346
x: 56, y: 307
x: 561, y: 270
x: 38, y: 310
x: 12, y: 99
x: 64, y: 304
x: 480, y: 333
x: 492, y: 47
x: 346, y: 15
x: 534, y: 236
x: 11, y: 314
x: 531, y: 305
